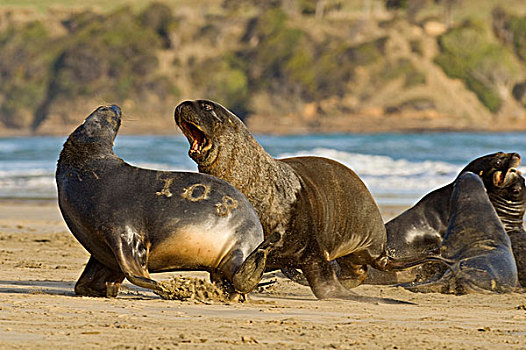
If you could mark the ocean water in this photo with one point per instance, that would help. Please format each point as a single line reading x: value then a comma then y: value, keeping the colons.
x: 397, y: 168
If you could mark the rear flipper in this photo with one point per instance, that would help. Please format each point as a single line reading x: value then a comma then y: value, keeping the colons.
x: 351, y: 274
x: 449, y: 283
x: 385, y: 263
x: 344, y: 276
x: 247, y: 277
x: 325, y: 284
x: 98, y: 281
x: 295, y: 275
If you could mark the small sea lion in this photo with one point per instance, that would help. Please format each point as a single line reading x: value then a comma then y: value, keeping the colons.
x: 319, y: 209
x: 475, y: 246
x: 421, y: 228
x: 509, y: 201
x: 134, y: 221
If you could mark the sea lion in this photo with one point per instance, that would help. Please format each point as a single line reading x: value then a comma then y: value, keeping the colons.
x: 509, y: 201
x: 475, y: 246
x: 134, y: 221
x: 421, y: 228
x: 319, y: 208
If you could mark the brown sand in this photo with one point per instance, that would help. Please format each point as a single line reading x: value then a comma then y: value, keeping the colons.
x: 40, y: 262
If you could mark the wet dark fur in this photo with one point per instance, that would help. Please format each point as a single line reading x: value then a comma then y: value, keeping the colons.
x: 124, y: 215
x: 430, y: 217
x: 510, y: 204
x: 475, y: 246
x: 321, y: 209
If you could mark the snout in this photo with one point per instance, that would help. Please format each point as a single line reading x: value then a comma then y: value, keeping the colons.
x: 179, y: 109
x: 116, y: 109
x: 111, y: 114
x: 182, y: 108
x: 515, y: 160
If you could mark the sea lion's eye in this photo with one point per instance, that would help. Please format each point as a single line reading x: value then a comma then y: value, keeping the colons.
x: 207, y: 107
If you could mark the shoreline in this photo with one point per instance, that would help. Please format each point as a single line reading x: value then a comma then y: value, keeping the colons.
x: 7, y: 204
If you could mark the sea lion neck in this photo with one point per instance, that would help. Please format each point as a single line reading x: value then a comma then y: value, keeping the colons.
x: 510, y: 212
x: 270, y: 185
x: 509, y: 200
x: 467, y: 200
x: 243, y: 162
x: 76, y: 153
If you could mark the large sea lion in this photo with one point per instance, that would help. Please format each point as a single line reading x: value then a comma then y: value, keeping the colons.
x: 421, y: 228
x: 319, y: 208
x: 475, y: 246
x: 134, y: 221
x: 509, y: 201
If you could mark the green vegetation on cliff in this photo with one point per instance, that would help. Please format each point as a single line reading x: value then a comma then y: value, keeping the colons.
x: 469, y: 53
x: 26, y: 63
x: 284, y: 58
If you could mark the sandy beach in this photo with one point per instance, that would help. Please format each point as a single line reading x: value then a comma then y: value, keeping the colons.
x: 40, y: 262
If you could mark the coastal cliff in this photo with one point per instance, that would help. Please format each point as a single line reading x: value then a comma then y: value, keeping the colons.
x: 283, y: 66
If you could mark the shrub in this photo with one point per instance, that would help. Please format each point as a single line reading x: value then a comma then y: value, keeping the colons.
x: 26, y: 57
x: 283, y: 61
x: 468, y: 53
x: 113, y: 56
x: 519, y: 92
x: 223, y: 80
x: 159, y: 18
x: 367, y: 53
x: 333, y: 70
x: 287, y: 62
x: 518, y: 29
x: 417, y: 46
x: 110, y: 55
x: 403, y: 68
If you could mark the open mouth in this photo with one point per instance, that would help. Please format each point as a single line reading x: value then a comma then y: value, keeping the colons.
x: 199, y: 143
x: 500, y: 176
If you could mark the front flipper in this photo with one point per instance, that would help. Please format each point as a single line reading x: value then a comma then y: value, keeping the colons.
x: 131, y: 253
x: 247, y: 277
x: 98, y: 281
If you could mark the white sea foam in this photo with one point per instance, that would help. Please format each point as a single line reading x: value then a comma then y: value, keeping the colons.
x: 9, y: 147
x: 162, y: 166
x: 25, y: 180
x: 365, y: 164
x: 386, y: 176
